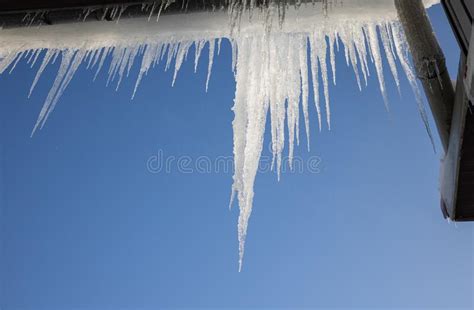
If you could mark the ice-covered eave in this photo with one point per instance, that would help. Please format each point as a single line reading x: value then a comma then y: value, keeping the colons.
x: 275, y: 60
x: 199, y: 24
x: 48, y: 12
x: 196, y: 24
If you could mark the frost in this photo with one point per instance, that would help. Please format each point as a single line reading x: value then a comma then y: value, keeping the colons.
x: 275, y: 53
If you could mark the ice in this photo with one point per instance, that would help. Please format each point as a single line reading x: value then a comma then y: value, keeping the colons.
x: 375, y: 49
x: 387, y: 45
x: 252, y: 132
x: 212, y: 44
x: 276, y: 51
x: 402, y: 53
x: 303, y: 59
x: 46, y: 59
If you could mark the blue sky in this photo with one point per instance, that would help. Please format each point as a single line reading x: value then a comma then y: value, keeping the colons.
x: 86, y: 224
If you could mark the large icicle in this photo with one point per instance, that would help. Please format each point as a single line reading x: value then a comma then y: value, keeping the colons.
x: 270, y: 60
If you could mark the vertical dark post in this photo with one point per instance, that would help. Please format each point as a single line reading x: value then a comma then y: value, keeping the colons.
x: 429, y: 63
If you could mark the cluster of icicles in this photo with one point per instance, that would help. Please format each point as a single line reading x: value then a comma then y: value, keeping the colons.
x: 273, y: 65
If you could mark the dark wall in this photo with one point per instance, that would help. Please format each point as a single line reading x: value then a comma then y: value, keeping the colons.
x: 460, y: 14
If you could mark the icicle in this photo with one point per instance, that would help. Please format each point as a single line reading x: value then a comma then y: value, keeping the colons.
x: 359, y: 43
x: 402, y: 54
x: 86, y: 12
x: 240, y: 120
x: 47, y: 58
x: 183, y: 49
x: 199, y: 46
x: 56, y: 90
x: 332, y: 57
x: 351, y: 56
x: 315, y: 78
x: 324, y: 74
x: 149, y: 54
x: 303, y: 58
x: 293, y: 97
x: 152, y: 10
x: 105, y: 53
x: 36, y: 53
x: 256, y: 119
x: 219, y: 42
x: 389, y: 54
x: 212, y: 44
x: 18, y: 57
x: 375, y: 48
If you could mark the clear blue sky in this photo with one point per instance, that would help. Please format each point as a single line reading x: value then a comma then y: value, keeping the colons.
x: 85, y: 225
